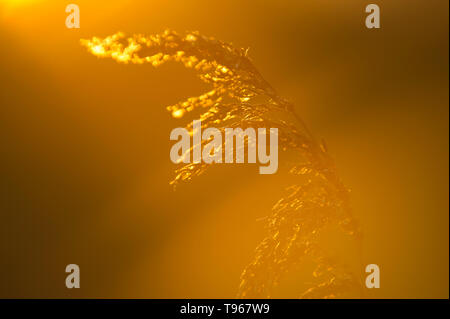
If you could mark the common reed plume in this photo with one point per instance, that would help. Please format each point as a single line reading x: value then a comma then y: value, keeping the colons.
x: 241, y: 97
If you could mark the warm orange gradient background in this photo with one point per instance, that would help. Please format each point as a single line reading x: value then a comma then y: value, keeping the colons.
x: 85, y: 146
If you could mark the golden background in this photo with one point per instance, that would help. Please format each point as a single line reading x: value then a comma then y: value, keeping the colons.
x: 85, y: 165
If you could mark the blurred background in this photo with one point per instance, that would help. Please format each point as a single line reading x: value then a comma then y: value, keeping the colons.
x: 85, y: 165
